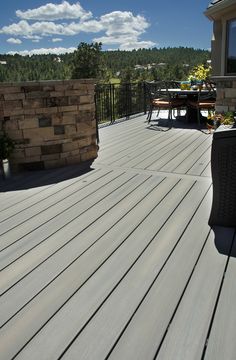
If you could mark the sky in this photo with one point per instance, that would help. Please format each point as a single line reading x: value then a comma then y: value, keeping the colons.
x: 40, y: 27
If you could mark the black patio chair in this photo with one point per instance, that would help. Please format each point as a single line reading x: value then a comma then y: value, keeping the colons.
x: 162, y: 99
x: 205, y: 101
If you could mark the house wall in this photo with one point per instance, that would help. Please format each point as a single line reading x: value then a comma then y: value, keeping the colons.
x: 218, y: 43
x: 226, y: 93
x: 220, y: 13
x: 52, y: 122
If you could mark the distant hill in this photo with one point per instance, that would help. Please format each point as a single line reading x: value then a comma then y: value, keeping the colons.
x: 143, y: 63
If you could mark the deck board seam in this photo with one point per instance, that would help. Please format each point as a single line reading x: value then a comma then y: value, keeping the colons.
x: 193, y: 150
x: 168, y: 148
x: 178, y: 153
x: 157, y: 173
x: 198, y: 159
x: 218, y: 297
x: 143, y: 219
x: 77, y: 235
x: 110, y: 181
x: 154, y: 151
x: 136, y: 260
x: 182, y: 295
x: 79, y: 180
x: 122, y: 173
x: 139, y: 147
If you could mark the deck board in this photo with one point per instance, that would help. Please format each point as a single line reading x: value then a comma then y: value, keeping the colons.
x: 196, y: 308
x: 55, y: 242
x: 221, y: 344
x: 119, y: 261
x: 144, y: 334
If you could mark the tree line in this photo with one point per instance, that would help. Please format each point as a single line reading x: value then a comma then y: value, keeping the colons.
x: 89, y: 61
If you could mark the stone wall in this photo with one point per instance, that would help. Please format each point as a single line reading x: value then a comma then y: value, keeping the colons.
x: 226, y: 93
x: 52, y: 122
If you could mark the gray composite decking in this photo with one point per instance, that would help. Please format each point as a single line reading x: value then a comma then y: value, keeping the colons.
x: 118, y: 262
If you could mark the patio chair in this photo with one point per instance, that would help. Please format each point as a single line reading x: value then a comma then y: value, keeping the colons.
x: 161, y: 99
x: 173, y: 84
x: 205, y: 101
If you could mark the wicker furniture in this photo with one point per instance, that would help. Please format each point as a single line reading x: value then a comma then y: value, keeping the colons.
x: 223, y: 165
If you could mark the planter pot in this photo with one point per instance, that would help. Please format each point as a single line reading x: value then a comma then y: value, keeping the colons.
x: 6, y: 169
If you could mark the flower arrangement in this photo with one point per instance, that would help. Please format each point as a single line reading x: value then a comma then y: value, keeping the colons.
x: 200, y: 72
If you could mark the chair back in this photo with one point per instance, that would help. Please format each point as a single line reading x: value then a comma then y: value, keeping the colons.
x: 156, y: 90
x: 172, y: 84
x: 210, y: 94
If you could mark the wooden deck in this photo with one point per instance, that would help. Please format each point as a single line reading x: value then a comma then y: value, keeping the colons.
x: 118, y: 262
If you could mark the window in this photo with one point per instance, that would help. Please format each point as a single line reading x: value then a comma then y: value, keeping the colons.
x: 231, y: 47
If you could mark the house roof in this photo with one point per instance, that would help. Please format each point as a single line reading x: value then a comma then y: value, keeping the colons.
x: 217, y: 7
x: 213, y: 2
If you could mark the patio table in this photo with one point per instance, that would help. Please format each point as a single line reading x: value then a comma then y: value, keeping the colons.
x: 191, y: 113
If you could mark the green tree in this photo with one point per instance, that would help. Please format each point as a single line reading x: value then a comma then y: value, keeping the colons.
x: 87, y: 61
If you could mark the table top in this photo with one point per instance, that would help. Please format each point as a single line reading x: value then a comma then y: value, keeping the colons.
x: 187, y: 92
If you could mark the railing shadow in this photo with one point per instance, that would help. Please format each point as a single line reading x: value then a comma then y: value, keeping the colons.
x: 32, y: 179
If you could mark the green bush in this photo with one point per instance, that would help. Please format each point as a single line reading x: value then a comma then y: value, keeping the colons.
x: 7, y: 146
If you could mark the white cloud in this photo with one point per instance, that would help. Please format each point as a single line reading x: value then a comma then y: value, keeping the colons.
x: 33, y: 37
x: 125, y: 42
x: 92, y: 26
x: 55, y: 12
x: 21, y: 28
x: 56, y: 51
x: 137, y: 45
x: 43, y: 28
x: 123, y: 22
x: 14, y: 41
x: 56, y: 39
x: 124, y: 29
x: 120, y: 28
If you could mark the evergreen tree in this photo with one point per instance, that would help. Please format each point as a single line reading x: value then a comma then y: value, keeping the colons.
x: 87, y: 61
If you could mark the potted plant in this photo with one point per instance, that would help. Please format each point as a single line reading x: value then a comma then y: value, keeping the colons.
x: 199, y: 74
x: 7, y: 146
x: 214, y: 119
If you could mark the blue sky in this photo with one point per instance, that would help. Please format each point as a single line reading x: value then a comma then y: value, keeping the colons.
x: 37, y: 26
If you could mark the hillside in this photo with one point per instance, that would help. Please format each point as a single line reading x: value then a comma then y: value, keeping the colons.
x: 141, y: 64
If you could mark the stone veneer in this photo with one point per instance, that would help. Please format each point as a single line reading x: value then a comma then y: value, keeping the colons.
x: 226, y: 93
x: 52, y: 122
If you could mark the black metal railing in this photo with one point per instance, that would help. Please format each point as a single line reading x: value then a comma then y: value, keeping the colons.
x: 116, y: 101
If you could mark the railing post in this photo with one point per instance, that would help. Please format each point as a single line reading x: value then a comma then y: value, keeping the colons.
x: 113, y: 102
x: 144, y: 98
x: 96, y: 112
x: 110, y: 103
x: 119, y: 101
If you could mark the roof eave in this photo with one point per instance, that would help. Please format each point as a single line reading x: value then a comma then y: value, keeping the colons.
x: 213, y: 12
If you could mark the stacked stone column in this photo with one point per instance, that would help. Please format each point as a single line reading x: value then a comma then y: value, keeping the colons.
x: 52, y: 122
x: 226, y: 94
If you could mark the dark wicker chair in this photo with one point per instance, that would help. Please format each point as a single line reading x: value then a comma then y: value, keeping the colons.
x: 223, y: 167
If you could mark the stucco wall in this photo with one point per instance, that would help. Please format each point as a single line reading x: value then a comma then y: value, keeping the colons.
x: 52, y: 122
x: 218, y: 43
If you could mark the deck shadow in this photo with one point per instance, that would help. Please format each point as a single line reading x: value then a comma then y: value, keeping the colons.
x: 224, y: 239
x: 162, y: 124
x: 36, y: 178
